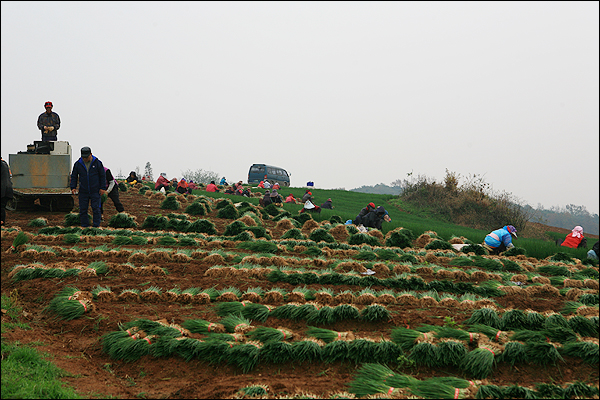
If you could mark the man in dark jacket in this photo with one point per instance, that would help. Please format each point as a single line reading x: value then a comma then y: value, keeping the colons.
x: 327, y: 205
x: 6, y: 185
x: 374, y: 219
x: 92, y: 184
x: 49, y: 123
x: 363, y: 213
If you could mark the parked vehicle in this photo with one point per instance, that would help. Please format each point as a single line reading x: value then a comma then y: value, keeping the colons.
x: 274, y: 174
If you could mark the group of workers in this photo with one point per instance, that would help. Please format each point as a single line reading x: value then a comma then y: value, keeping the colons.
x: 95, y: 180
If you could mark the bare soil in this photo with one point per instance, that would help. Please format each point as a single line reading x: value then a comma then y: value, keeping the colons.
x: 75, y: 345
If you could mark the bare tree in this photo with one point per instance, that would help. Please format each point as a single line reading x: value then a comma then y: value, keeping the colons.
x: 200, y: 176
x: 148, y: 171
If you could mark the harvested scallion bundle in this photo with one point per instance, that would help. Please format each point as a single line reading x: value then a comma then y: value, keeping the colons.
x: 19, y: 240
x: 485, y: 316
x: 307, y: 350
x: 328, y: 335
x: 479, y: 363
x: 542, y: 352
x: 451, y: 352
x: 202, y: 326
x: 264, y: 334
x: 276, y: 352
x: 236, y: 324
x: 335, y: 351
x: 244, y: 356
x: 514, y: 353
x: 586, y: 350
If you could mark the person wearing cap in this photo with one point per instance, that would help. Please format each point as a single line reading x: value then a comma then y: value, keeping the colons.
x: 48, y: 123
x: 223, y: 181
x: 162, y: 182
x: 290, y: 199
x: 575, y: 239
x: 363, y: 213
x: 266, y: 200
x: 276, y: 198
x: 327, y: 204
x: 89, y: 171
x: 307, y: 196
x: 500, y: 240
x: 375, y: 218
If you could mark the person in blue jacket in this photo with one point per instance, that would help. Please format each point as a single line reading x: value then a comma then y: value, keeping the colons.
x: 89, y: 171
x: 500, y: 239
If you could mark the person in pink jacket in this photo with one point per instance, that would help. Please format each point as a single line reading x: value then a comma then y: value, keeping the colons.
x: 211, y: 187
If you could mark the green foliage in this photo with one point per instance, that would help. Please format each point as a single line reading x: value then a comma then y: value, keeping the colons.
x: 38, y: 222
x: 170, y: 203
x: 235, y: 228
x: 438, y: 245
x: 122, y: 220
x: 71, y: 238
x: 228, y: 212
x: 72, y: 219
x: 259, y: 246
x: 400, y: 238
x: 475, y: 248
x: 224, y: 203
x: 302, y: 218
x: 122, y: 187
x: 196, y: 208
x: 515, y: 251
x: 27, y: 374
x: 321, y: 234
x: 203, y: 226
x: 313, y: 251
x: 293, y: 233
x: 363, y: 238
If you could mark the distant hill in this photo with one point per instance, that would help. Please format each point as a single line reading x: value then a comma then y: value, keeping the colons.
x: 380, y: 188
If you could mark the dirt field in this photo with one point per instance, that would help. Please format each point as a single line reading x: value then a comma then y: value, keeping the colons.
x: 76, y: 347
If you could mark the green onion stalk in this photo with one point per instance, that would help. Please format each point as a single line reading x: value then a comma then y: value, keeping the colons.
x: 543, y: 352
x: 307, y: 350
x: 245, y: 356
x: 327, y: 335
x: 19, y: 240
x: 585, y: 349
x: 337, y: 350
x: 202, y: 326
x: 277, y: 352
x: 406, y: 338
x: 236, y: 324
x: 479, y: 363
x: 264, y: 334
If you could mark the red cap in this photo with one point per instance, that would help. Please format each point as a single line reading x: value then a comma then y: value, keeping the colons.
x: 48, y: 104
x: 372, y: 205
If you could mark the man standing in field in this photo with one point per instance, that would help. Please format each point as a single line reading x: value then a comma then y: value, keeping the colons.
x: 92, y: 184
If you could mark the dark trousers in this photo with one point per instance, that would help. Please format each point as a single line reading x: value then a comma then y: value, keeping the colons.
x: 4, y: 201
x: 85, y: 200
x: 114, y: 196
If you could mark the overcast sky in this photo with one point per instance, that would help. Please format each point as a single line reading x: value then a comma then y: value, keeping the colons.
x: 344, y: 94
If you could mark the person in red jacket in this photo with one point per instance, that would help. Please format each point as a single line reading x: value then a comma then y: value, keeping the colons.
x: 575, y: 239
x: 211, y: 187
x: 162, y: 182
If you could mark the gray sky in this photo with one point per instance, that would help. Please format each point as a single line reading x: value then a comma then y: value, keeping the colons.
x: 344, y: 94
